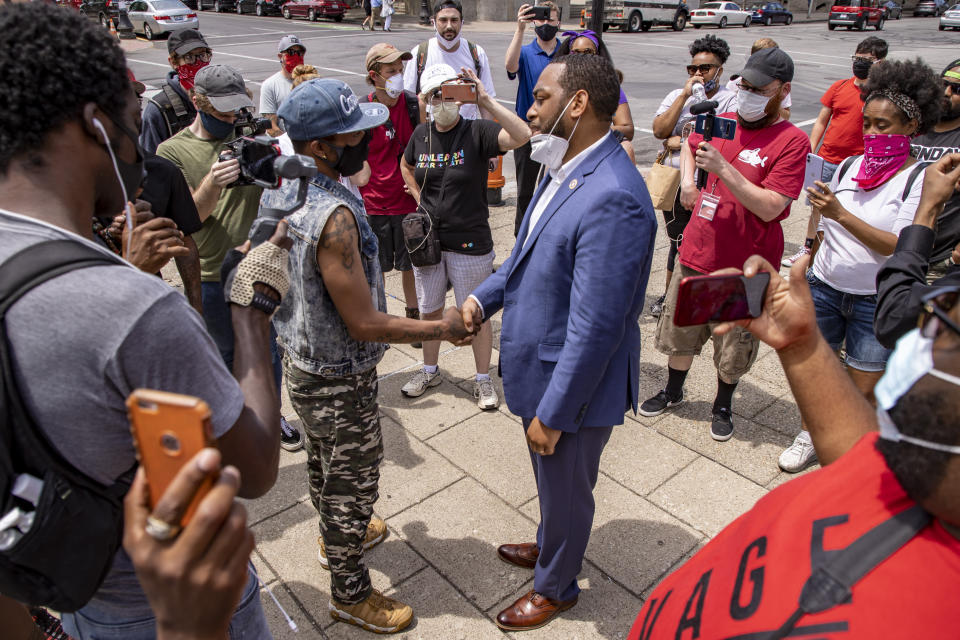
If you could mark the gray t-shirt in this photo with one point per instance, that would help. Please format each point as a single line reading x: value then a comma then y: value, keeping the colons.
x: 80, y: 343
x: 273, y: 92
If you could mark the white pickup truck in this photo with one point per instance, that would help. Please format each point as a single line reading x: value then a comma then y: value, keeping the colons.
x: 640, y: 15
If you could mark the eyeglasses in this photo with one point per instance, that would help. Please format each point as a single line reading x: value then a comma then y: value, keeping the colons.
x: 755, y: 90
x: 692, y: 69
x: 584, y: 52
x: 935, y: 313
x: 862, y: 58
x: 191, y: 58
x: 952, y: 87
x: 297, y: 51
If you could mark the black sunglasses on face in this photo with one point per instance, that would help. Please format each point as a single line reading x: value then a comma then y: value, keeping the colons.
x: 702, y: 68
x: 935, y: 313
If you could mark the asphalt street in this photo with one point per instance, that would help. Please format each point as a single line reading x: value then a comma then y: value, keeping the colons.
x: 652, y: 63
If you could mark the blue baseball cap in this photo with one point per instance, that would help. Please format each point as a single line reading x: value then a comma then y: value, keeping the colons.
x: 324, y: 107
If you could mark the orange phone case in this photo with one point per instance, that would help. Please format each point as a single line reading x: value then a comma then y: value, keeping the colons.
x: 169, y: 429
x: 465, y: 92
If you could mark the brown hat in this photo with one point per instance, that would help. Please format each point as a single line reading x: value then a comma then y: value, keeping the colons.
x: 385, y: 53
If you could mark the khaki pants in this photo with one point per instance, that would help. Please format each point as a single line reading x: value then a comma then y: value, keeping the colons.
x: 733, y: 353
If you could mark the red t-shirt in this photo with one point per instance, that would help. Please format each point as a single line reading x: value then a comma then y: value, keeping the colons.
x: 747, y: 580
x: 774, y: 158
x: 844, y: 135
x: 384, y: 194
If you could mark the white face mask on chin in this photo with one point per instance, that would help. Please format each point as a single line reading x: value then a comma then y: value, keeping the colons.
x: 449, y: 45
x: 548, y: 149
x: 752, y: 107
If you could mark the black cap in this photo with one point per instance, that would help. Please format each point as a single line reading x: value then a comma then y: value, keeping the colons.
x: 448, y: 4
x: 768, y: 65
x: 182, y: 42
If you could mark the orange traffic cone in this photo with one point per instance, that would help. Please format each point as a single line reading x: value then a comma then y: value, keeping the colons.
x: 495, y: 182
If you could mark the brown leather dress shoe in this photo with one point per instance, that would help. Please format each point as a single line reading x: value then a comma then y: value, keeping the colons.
x: 523, y: 555
x: 531, y: 611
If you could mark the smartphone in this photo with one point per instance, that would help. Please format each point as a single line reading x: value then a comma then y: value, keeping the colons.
x: 540, y: 13
x: 814, y: 171
x: 709, y: 299
x: 463, y: 92
x: 168, y: 430
x: 723, y: 128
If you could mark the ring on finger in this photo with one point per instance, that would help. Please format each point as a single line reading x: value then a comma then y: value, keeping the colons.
x: 160, y: 530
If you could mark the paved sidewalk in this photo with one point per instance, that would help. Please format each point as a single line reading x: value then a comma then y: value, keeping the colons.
x: 457, y: 482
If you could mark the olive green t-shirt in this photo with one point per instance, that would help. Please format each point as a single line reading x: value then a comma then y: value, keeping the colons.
x: 229, y: 224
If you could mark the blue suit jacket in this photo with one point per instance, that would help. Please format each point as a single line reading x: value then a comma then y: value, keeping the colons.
x: 571, y: 297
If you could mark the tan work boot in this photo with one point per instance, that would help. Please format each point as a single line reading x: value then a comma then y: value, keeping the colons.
x: 376, y: 532
x: 377, y: 613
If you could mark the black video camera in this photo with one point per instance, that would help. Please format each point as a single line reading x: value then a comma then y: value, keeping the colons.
x: 257, y: 156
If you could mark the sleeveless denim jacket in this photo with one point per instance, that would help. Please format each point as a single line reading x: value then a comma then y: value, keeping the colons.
x: 308, y: 326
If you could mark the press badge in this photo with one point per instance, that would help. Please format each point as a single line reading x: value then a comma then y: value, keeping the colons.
x: 707, y: 206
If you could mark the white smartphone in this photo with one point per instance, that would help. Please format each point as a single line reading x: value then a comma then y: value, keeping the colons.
x: 814, y: 172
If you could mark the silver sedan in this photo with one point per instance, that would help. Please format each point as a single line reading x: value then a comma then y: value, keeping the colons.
x: 153, y: 18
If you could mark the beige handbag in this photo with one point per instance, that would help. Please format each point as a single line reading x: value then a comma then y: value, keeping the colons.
x: 662, y: 183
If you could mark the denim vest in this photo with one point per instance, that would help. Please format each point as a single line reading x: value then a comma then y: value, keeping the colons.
x: 308, y: 326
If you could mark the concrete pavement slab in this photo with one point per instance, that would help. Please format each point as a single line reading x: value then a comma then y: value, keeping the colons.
x: 707, y: 496
x: 439, y: 408
x: 783, y: 415
x: 289, y: 489
x: 458, y: 531
x: 492, y: 449
x: 641, y: 459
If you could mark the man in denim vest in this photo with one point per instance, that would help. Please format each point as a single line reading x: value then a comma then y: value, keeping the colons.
x: 332, y: 327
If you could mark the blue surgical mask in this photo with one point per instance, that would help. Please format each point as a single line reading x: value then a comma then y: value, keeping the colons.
x: 911, y: 360
x: 216, y: 127
x: 710, y: 85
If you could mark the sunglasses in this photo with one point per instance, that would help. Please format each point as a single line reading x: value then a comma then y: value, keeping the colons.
x: 702, y: 68
x: 935, y: 314
x: 953, y: 87
x: 191, y: 58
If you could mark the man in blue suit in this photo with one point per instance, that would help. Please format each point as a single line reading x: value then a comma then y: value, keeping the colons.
x: 571, y: 292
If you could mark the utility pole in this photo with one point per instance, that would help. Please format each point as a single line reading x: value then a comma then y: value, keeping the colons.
x: 424, y: 12
x: 596, y: 18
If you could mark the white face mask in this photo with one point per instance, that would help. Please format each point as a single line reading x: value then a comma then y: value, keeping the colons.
x: 911, y: 360
x: 445, y: 114
x: 548, y: 149
x: 449, y: 45
x: 752, y: 106
x: 394, y: 85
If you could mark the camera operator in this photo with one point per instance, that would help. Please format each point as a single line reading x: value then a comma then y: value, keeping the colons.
x: 80, y: 342
x: 444, y: 168
x: 752, y: 180
x: 332, y: 327
x: 219, y: 95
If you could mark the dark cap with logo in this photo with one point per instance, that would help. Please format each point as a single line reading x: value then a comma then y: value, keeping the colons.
x: 768, y: 65
x: 324, y: 107
x: 183, y: 42
x: 224, y: 88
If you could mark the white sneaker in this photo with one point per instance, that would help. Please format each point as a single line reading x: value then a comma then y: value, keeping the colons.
x: 420, y: 382
x: 799, y: 455
x: 486, y: 394
x: 802, y: 251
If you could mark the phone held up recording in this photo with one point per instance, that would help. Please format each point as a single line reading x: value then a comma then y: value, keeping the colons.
x: 720, y: 298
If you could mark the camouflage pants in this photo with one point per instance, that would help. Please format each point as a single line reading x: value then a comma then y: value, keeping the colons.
x: 344, y: 451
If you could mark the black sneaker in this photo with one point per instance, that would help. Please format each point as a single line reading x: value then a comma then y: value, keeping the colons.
x: 290, y: 438
x: 414, y: 314
x: 721, y: 429
x: 659, y: 403
x: 657, y: 307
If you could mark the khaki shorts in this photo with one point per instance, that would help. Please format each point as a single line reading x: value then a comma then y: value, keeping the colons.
x: 733, y: 353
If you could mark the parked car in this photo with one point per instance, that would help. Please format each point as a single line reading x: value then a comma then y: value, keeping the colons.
x: 767, y: 14
x: 103, y: 11
x: 313, y: 9
x: 217, y: 5
x: 892, y: 10
x: 641, y: 15
x: 927, y: 8
x: 951, y: 18
x: 856, y: 14
x: 720, y: 14
x: 154, y: 18
x: 260, y: 7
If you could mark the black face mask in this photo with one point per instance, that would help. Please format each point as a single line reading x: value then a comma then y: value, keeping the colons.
x: 861, y: 68
x: 546, y: 32
x: 350, y: 159
x: 132, y: 174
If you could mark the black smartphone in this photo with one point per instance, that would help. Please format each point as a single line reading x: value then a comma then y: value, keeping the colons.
x: 540, y: 13
x: 708, y: 299
x: 723, y: 128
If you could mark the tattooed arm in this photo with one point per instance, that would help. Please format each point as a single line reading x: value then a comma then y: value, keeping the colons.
x: 338, y: 256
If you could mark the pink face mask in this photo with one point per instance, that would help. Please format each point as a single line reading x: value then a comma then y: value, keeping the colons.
x: 883, y: 155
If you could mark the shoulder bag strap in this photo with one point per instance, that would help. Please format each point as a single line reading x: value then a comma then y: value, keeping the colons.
x: 830, y: 585
x: 421, y: 61
x: 845, y: 166
x: 914, y: 174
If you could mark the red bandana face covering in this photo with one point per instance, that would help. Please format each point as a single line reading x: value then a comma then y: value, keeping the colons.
x: 187, y: 72
x: 883, y: 155
x: 291, y: 61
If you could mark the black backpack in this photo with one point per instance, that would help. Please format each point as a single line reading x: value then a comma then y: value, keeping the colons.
x: 175, y: 111
x: 59, y: 529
